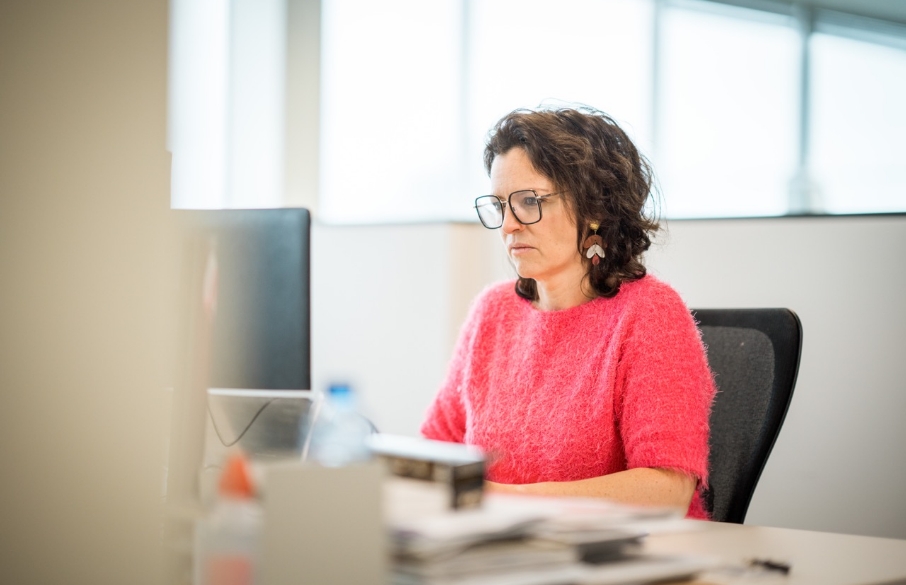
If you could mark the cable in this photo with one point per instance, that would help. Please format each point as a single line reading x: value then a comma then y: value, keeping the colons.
x: 244, y: 431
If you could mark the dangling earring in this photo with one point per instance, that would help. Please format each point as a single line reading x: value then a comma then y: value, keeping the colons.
x: 594, y: 245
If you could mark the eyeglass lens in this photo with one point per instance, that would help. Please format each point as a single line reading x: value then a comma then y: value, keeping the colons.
x: 526, y: 206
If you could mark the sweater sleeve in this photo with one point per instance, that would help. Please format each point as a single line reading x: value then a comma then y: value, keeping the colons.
x: 445, y: 419
x: 667, y: 388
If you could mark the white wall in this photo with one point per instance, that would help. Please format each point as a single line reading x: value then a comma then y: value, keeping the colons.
x: 387, y: 303
x: 387, y: 299
x: 838, y: 462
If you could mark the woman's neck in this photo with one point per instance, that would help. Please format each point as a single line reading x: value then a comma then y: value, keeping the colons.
x: 566, y: 294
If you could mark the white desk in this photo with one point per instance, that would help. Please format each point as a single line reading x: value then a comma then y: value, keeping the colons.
x: 336, y: 507
x: 816, y: 558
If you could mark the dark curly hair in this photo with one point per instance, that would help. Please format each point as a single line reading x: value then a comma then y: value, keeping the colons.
x: 605, y: 179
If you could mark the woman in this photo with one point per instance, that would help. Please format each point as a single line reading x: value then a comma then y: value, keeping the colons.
x: 586, y: 377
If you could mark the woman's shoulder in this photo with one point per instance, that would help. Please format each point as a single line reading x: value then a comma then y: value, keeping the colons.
x: 497, y: 293
x: 650, y: 293
x: 495, y: 299
x: 649, y: 286
x: 655, y: 312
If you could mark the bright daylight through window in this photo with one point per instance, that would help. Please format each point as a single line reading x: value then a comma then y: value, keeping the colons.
x: 727, y: 138
x: 745, y: 108
x: 858, y: 130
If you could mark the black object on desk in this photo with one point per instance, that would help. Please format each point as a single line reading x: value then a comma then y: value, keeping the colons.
x: 262, y: 327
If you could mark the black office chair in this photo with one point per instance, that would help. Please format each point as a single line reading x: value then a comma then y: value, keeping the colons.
x: 754, y: 354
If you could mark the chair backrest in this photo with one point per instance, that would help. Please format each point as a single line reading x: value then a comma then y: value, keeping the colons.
x: 754, y: 355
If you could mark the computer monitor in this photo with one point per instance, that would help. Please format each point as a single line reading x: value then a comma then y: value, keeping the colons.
x: 246, y: 333
x: 262, y: 325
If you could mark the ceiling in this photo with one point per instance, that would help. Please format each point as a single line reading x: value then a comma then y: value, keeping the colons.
x: 889, y: 10
x: 884, y: 9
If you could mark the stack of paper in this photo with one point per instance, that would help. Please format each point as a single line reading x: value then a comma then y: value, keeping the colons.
x: 482, y: 560
x: 531, y: 541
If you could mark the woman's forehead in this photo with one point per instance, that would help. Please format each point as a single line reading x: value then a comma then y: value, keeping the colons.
x: 513, y: 171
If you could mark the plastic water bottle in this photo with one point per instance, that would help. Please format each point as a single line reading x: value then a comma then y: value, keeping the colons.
x: 340, y: 433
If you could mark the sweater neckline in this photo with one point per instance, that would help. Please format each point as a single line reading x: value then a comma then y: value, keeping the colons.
x: 559, y: 314
x: 592, y: 306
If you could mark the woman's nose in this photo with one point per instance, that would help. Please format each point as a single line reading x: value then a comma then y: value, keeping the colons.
x: 510, y: 223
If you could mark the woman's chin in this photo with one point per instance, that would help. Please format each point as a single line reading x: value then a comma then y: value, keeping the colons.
x: 523, y: 271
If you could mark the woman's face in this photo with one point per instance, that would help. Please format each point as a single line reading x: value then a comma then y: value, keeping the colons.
x: 545, y: 251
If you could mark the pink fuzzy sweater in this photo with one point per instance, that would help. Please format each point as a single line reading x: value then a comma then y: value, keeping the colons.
x: 610, y: 385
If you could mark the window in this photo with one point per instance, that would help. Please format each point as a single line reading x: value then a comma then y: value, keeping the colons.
x: 522, y: 53
x: 391, y: 145
x: 197, y: 136
x: 858, y: 124
x: 410, y: 90
x: 226, y: 105
x: 745, y: 107
x: 728, y: 111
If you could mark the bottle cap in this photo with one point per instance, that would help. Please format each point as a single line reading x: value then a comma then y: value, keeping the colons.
x: 341, y: 395
x: 236, y: 480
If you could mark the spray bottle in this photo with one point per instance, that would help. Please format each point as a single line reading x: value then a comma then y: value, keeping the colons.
x: 227, y: 540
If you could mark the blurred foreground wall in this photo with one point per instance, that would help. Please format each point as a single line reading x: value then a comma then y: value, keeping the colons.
x: 84, y: 192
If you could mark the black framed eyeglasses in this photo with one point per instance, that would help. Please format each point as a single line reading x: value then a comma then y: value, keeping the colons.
x: 525, y: 205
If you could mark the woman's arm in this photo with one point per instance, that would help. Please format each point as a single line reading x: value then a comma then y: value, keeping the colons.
x: 649, y: 486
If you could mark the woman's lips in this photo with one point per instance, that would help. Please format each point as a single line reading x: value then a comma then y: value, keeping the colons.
x: 517, y: 249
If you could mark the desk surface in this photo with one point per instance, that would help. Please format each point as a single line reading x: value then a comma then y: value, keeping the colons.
x: 816, y: 558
